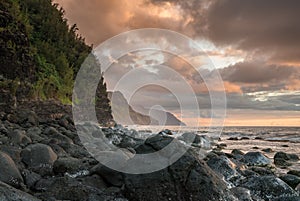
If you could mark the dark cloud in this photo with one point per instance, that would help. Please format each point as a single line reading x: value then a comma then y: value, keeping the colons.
x: 257, y: 72
x: 272, y: 26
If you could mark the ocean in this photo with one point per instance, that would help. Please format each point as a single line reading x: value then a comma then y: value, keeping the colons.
x: 246, y: 139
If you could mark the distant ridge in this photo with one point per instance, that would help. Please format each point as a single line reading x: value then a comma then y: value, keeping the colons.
x: 123, y: 113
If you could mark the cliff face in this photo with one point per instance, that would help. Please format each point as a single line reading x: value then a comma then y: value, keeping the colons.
x: 123, y: 113
x: 40, y: 55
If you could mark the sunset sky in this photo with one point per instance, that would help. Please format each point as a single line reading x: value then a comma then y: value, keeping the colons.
x: 255, y: 45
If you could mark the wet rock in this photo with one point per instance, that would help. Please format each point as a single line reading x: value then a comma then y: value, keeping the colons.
x: 298, y: 188
x: 199, y: 140
x: 223, y: 166
x: 293, y: 198
x: 159, y: 141
x: 187, y: 179
x: 269, y: 188
x: 267, y: 150
x: 242, y: 194
x: 233, y: 139
x: 38, y: 154
x: 291, y: 180
x: 256, y: 159
x: 8, y: 193
x: 237, y: 154
x: 261, y: 171
x: 294, y: 172
x: 283, y: 159
x: 166, y: 132
x: 9, y: 173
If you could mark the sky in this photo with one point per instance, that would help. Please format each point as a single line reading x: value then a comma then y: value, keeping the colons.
x: 253, y: 44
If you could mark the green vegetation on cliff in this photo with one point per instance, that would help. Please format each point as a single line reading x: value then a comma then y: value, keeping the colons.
x: 39, y: 48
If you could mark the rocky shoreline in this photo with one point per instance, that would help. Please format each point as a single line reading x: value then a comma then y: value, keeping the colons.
x: 42, y: 158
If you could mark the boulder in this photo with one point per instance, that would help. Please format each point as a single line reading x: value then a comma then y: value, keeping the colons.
x: 223, y: 166
x: 242, y: 194
x: 9, y: 173
x: 256, y: 159
x: 269, y: 188
x: 37, y: 155
x: 283, y: 159
x: 291, y: 180
x: 66, y: 188
x: 187, y: 179
x: 8, y: 193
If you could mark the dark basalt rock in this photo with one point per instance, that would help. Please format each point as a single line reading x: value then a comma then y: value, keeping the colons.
x: 256, y: 158
x: 283, y: 159
x: 291, y: 180
x: 269, y: 188
x: 294, y: 172
x: 8, y: 193
x: 223, y: 166
x: 9, y: 173
x: 242, y: 194
x: 187, y: 179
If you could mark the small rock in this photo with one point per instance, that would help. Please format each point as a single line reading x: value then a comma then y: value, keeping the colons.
x: 233, y: 138
x: 31, y: 178
x: 267, y: 150
x: 19, y: 137
x: 237, y: 152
